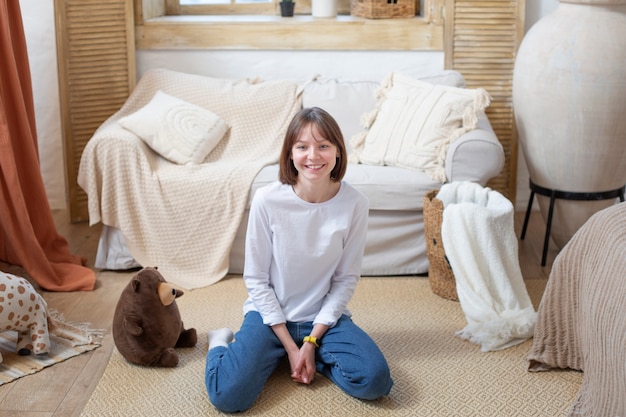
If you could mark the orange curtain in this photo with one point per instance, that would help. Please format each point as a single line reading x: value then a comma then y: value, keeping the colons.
x: 28, y: 235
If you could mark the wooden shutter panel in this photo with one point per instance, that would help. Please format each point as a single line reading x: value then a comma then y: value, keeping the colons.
x: 481, y: 39
x: 96, y: 59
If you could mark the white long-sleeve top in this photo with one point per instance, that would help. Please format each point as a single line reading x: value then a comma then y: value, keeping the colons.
x: 303, y: 260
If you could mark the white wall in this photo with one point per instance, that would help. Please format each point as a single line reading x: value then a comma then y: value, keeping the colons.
x: 294, y: 65
x: 38, y: 18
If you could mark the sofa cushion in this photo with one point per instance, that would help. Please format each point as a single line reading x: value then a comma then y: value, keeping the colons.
x: 175, y: 129
x: 387, y: 188
x: 348, y: 100
x: 414, y: 123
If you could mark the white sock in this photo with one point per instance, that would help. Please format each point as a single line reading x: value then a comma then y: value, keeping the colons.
x: 220, y: 337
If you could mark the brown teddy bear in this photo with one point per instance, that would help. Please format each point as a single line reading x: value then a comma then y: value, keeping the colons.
x: 147, y: 325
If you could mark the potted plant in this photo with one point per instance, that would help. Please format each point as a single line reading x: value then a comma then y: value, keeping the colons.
x: 286, y: 8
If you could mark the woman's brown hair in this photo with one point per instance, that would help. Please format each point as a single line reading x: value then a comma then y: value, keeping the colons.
x: 328, y: 129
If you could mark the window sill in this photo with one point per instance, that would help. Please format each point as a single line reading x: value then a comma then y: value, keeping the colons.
x: 304, y: 32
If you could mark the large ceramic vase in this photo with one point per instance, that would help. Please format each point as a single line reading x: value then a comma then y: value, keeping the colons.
x: 569, y: 97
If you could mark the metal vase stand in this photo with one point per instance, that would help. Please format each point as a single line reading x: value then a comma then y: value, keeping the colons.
x: 564, y: 195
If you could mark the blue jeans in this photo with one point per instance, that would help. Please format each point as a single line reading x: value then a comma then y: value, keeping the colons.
x: 235, y: 375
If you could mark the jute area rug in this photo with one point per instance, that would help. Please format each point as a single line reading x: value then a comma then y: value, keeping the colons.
x: 67, y: 340
x: 435, y: 373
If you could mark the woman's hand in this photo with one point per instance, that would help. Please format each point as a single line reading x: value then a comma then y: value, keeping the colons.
x: 301, y: 360
x: 302, y: 364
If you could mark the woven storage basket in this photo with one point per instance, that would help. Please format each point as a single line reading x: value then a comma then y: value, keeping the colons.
x: 440, y: 274
x: 383, y: 9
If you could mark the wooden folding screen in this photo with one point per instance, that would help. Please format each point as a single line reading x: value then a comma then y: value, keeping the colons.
x: 481, y: 39
x: 96, y: 60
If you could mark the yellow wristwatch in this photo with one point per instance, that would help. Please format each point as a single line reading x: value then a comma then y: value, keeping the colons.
x: 311, y: 339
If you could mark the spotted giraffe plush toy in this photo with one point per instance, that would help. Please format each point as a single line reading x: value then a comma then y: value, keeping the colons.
x: 23, y: 310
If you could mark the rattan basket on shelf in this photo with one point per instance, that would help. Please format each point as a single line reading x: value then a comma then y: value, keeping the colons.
x: 384, y: 9
x: 440, y: 274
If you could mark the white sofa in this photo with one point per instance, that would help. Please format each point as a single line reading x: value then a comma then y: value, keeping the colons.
x: 395, y: 241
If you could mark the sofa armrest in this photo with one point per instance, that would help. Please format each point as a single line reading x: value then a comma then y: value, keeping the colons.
x: 476, y: 156
x: 112, y: 149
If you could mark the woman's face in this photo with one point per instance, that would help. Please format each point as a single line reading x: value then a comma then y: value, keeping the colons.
x: 313, y: 155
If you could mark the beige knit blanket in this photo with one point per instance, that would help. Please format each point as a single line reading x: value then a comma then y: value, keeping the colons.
x: 582, y: 316
x: 183, y: 218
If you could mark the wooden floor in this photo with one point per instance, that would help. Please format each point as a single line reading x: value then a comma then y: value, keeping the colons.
x: 63, y: 389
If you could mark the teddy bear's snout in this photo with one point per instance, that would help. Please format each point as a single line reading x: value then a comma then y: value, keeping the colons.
x: 167, y: 293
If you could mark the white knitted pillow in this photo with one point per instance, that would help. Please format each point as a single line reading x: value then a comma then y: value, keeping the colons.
x: 175, y: 129
x: 414, y: 123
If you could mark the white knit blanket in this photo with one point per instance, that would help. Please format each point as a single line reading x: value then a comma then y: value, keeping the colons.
x: 480, y: 243
x: 183, y: 218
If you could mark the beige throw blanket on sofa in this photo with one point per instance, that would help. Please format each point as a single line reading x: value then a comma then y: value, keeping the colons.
x: 183, y: 218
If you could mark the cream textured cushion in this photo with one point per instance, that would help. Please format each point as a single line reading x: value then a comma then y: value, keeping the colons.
x: 175, y: 129
x: 414, y: 123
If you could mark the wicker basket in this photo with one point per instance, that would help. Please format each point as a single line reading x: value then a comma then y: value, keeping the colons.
x: 440, y: 274
x: 383, y: 9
